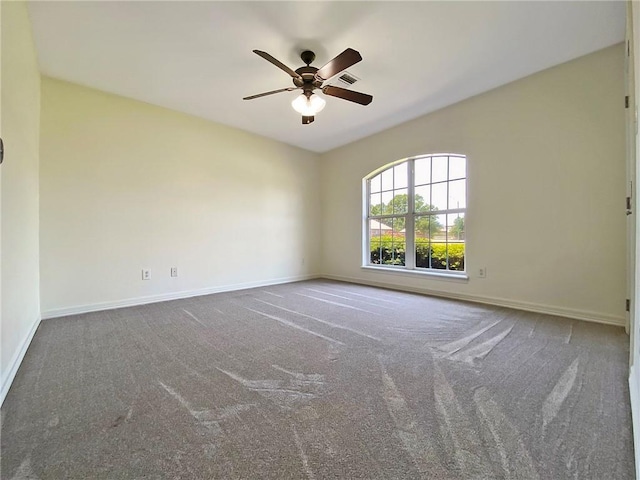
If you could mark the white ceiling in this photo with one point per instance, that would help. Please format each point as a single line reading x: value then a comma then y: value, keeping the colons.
x: 196, y: 57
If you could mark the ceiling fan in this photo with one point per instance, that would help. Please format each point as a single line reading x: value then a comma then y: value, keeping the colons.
x: 310, y: 78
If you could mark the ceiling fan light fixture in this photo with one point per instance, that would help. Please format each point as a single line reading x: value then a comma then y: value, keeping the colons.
x: 308, y: 107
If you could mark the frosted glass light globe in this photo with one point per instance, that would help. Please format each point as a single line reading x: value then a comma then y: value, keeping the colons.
x: 308, y: 107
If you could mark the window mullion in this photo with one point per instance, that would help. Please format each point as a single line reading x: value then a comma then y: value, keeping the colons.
x: 446, y: 217
x: 409, y: 223
x: 366, y: 257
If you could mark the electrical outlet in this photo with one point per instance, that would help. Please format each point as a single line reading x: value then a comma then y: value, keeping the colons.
x: 174, y: 271
x: 146, y: 274
x: 482, y: 272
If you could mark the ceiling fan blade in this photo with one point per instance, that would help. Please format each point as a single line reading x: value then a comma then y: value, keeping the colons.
x: 277, y: 63
x: 288, y: 89
x: 350, y: 95
x: 341, y: 62
x: 307, y: 120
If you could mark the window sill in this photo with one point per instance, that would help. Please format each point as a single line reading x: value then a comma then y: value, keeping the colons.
x: 451, y: 277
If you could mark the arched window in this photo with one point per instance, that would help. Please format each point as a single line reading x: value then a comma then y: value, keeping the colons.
x: 414, y: 214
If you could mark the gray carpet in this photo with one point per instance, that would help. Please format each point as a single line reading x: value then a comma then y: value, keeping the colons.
x: 319, y: 380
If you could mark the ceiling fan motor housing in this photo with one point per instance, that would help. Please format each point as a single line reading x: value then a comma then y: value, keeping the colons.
x: 308, y: 74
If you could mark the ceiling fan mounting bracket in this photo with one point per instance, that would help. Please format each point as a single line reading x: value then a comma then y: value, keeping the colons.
x: 308, y: 57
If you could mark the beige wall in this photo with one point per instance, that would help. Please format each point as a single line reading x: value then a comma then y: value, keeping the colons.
x: 546, y: 183
x: 126, y: 186
x: 19, y: 205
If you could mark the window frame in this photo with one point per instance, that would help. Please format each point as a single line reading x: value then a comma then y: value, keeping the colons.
x: 410, y: 217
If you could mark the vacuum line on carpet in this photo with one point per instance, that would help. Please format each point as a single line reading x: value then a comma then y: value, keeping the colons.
x: 559, y: 394
x: 337, y: 303
x: 293, y: 325
x: 331, y: 324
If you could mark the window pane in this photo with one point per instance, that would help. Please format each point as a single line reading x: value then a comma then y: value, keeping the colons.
x: 399, y: 226
x: 422, y: 171
x: 387, y: 202
x: 422, y: 247
x: 438, y: 228
x: 374, y: 184
x: 423, y: 198
x: 439, y: 255
x: 439, y: 242
x: 384, y: 226
x: 439, y: 196
x: 439, y: 169
x: 400, y: 201
x: 387, y: 179
x: 400, y: 176
x: 423, y: 227
x: 456, y: 256
x: 374, y: 204
x: 457, y: 194
x: 455, y: 224
x: 457, y: 167
x: 375, y: 242
x: 398, y: 243
x: 455, y: 241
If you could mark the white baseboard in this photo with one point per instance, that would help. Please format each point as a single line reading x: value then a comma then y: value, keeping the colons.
x: 634, y: 395
x: 16, y: 361
x: 131, y: 302
x: 501, y: 302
